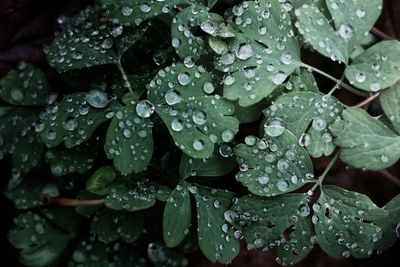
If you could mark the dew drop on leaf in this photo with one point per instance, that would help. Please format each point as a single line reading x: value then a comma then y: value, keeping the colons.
x: 145, y: 109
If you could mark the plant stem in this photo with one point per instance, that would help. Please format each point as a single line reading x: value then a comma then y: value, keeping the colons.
x: 381, y: 34
x: 125, y: 78
x: 337, y: 81
x: 390, y: 177
x: 368, y: 100
x: 68, y: 202
x: 327, y: 169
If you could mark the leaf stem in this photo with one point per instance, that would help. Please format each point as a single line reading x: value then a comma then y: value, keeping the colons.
x: 337, y: 81
x: 125, y: 78
x: 390, y: 177
x: 326, y: 171
x: 68, y: 202
x: 368, y: 100
x: 381, y: 34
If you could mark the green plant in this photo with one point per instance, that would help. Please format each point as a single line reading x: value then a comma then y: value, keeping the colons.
x: 144, y: 146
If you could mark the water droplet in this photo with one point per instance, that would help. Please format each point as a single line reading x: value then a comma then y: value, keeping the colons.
x: 208, y: 88
x: 172, y: 97
x: 227, y: 135
x: 217, y: 204
x: 70, y: 124
x: 177, y: 125
x: 230, y: 216
x: 145, y: 109
x: 286, y: 58
x: 384, y: 158
x: 199, y: 117
x: 263, y: 179
x: 127, y: 10
x: 145, y: 8
x: 274, y: 127
x: 97, y: 98
x: 360, y: 13
x: 397, y: 230
x: 375, y: 87
x: 225, y: 150
x: 78, y: 256
x: 305, y: 140
x: 346, y: 31
x: 244, y: 51
x: 279, y: 78
x: 304, y: 210
x: 198, y: 145
x: 319, y: 124
x: 361, y: 77
x: 282, y: 185
x: 184, y: 78
x: 17, y: 95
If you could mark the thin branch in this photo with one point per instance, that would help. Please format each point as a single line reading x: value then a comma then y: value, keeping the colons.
x: 390, y: 177
x: 381, y: 34
x: 68, y: 202
x: 326, y: 171
x: 368, y: 100
x: 337, y: 81
x: 125, y: 78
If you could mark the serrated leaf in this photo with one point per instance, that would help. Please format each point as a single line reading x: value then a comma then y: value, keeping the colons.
x: 354, y: 18
x: 110, y: 225
x: 377, y: 68
x: 91, y: 39
x: 129, y: 140
x: 131, y: 193
x: 99, y: 182
x: 74, y: 120
x: 195, y: 120
x: 25, y: 86
x: 177, y: 216
x: 273, y: 167
x: 161, y: 256
x: 308, y: 115
x: 220, y: 163
x: 317, y: 31
x: 261, y: 55
x: 19, y: 138
x: 390, y: 224
x: 345, y: 222
x: 28, y: 192
x: 366, y: 142
x: 42, y: 237
x: 134, y: 12
x: 302, y: 80
x: 390, y: 102
x: 281, y: 221
x: 184, y: 41
x: 79, y: 159
x: 215, y: 237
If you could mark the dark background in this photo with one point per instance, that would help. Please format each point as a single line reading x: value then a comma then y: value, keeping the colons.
x: 27, y: 25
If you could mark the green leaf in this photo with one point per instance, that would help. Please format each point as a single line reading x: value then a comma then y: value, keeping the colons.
x: 100, y: 181
x: 28, y: 192
x: 261, y: 55
x: 129, y: 140
x: 74, y: 120
x: 79, y: 159
x: 25, y: 86
x: 184, y: 41
x: 18, y: 137
x: 377, y: 68
x: 195, y: 120
x: 390, y: 224
x: 345, y: 223
x: 131, y: 193
x: 317, y: 31
x: 366, y: 142
x: 282, y: 222
x: 273, y: 167
x: 110, y: 225
x: 302, y: 80
x: 390, y: 102
x: 177, y: 216
x: 43, y: 237
x: 161, y: 256
x: 219, y: 163
x: 353, y: 19
x: 134, y: 12
x: 216, y: 239
x: 308, y: 115
x: 90, y: 39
